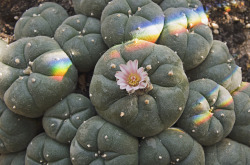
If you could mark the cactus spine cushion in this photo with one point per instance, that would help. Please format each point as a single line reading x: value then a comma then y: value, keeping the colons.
x: 35, y: 74
x: 155, y: 94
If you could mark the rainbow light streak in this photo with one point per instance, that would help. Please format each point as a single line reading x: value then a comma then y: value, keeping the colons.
x: 226, y: 102
x: 230, y: 75
x: 136, y: 44
x: 182, y: 24
x: 202, y: 118
x: 201, y: 99
x: 244, y: 85
x: 149, y: 31
x: 177, y: 25
x: 177, y: 130
x: 202, y: 14
x: 114, y: 54
x: 60, y: 68
x: 215, y: 89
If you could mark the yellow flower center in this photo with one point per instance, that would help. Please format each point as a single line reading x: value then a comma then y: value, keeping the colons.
x: 133, y: 79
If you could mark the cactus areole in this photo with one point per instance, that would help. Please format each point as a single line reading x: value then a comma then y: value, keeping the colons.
x: 139, y: 86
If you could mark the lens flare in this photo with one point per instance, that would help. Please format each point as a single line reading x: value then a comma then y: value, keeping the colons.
x: 244, y: 85
x: 136, y: 44
x: 212, y: 92
x: 60, y: 68
x: 148, y: 30
x: 231, y: 74
x: 183, y: 23
x: 176, y: 129
x: 202, y: 14
x: 202, y: 118
x: 226, y: 102
x: 114, y: 54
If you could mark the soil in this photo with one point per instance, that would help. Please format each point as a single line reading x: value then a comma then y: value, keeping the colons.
x: 229, y: 21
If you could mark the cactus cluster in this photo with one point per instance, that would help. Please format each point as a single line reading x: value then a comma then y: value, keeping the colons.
x: 161, y: 90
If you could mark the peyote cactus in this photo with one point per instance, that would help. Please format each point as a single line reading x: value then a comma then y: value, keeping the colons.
x: 165, y: 4
x: 15, y: 131
x: 241, y: 129
x: 185, y: 33
x: 220, y: 67
x: 195, y: 5
x: 91, y: 8
x: 44, y: 150
x: 17, y: 158
x: 227, y: 152
x: 209, y: 113
x: 35, y: 74
x: 41, y: 20
x: 80, y: 37
x: 153, y: 100
x: 2, y: 47
x: 172, y: 146
x: 124, y: 20
x: 99, y: 142
x: 61, y: 121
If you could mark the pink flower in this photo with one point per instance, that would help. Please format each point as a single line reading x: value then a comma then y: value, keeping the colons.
x: 131, y: 78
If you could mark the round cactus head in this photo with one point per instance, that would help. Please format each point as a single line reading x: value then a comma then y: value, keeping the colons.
x: 44, y: 150
x: 42, y: 20
x: 61, y: 121
x: 100, y: 142
x: 241, y: 129
x: 171, y: 146
x: 80, y: 37
x: 139, y: 86
x: 16, y: 131
x: 91, y: 8
x: 219, y: 66
x: 209, y: 113
x: 227, y: 151
x: 35, y: 72
x: 16, y: 158
x: 185, y: 33
x: 195, y: 5
x: 124, y: 20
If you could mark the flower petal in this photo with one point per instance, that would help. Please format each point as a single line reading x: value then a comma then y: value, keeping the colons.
x: 124, y: 68
x: 134, y: 66
x: 121, y: 82
x: 140, y: 70
x: 120, y: 75
x: 129, y: 88
x: 123, y: 86
x: 142, y: 85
